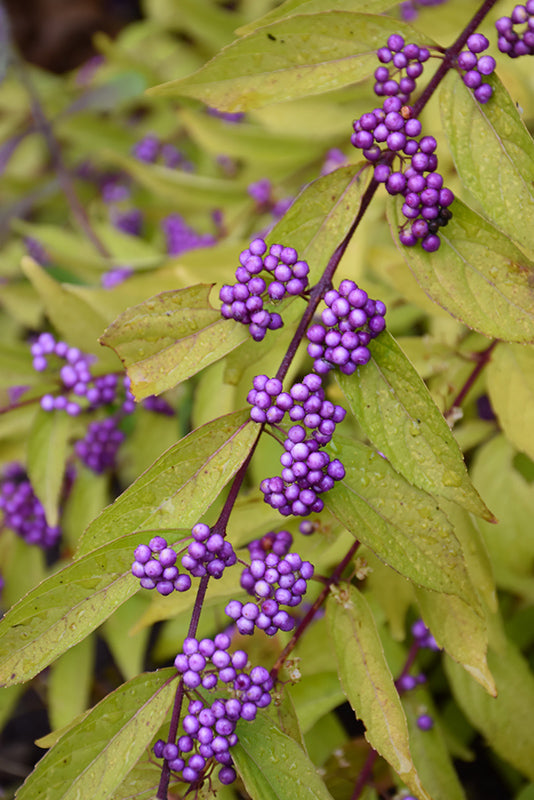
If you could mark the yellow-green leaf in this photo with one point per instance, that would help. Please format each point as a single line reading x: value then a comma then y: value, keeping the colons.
x: 178, y: 488
x: 398, y: 414
x: 494, y: 155
x: 303, y: 55
x: 368, y: 683
x: 510, y: 382
x: 47, y: 453
x: 93, y: 758
x: 170, y: 337
x: 478, y: 275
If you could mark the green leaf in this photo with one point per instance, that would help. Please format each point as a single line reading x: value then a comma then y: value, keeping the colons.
x: 429, y: 750
x: 506, y: 720
x: 293, y: 7
x: 494, y: 155
x: 70, y: 681
x: 314, y: 696
x: 398, y: 414
x: 128, y: 648
x: 401, y: 524
x: 91, y: 760
x: 368, y: 683
x: 321, y: 215
x: 273, y: 766
x: 184, y: 189
x: 178, y: 488
x: 65, y: 608
x: 510, y: 382
x: 274, y: 150
x: 170, y: 337
x: 73, y: 318
x: 303, y: 55
x: 66, y: 248
x: 459, y: 631
x: 511, y: 542
x: 47, y: 454
x: 16, y: 367
x: 478, y: 275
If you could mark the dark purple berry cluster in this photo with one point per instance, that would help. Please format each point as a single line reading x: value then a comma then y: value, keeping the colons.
x: 99, y: 447
x: 275, y: 577
x: 155, y: 565
x: 305, y: 402
x: 516, y: 32
x: 307, y: 470
x: 180, y: 237
x: 405, y: 65
x: 476, y: 67
x: 208, y: 554
x: 393, y: 132
x: 209, y: 730
x: 349, y: 323
x: 244, y: 300
x: 23, y: 511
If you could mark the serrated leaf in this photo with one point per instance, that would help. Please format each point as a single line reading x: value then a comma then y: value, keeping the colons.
x: 398, y: 414
x: 47, y: 454
x: 478, y: 275
x: 292, y: 7
x: 170, y: 337
x: 506, y: 720
x: 65, y: 608
x: 460, y: 631
x: 494, y: 155
x: 401, y: 524
x: 75, y: 321
x: 176, y: 490
x: 303, y: 55
x: 273, y: 766
x: 69, y: 683
x: 92, y: 759
x: 510, y: 382
x: 368, y: 683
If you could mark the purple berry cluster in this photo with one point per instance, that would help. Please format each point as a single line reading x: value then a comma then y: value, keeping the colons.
x: 243, y: 301
x: 155, y: 565
x: 476, y: 67
x: 516, y: 32
x: 180, y: 237
x: 275, y: 577
x: 151, y: 149
x: 23, y: 511
x: 392, y: 131
x: 209, y: 730
x: 99, y: 447
x: 307, y: 471
x: 208, y: 554
x: 406, y: 63
x: 350, y: 321
x: 76, y: 379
